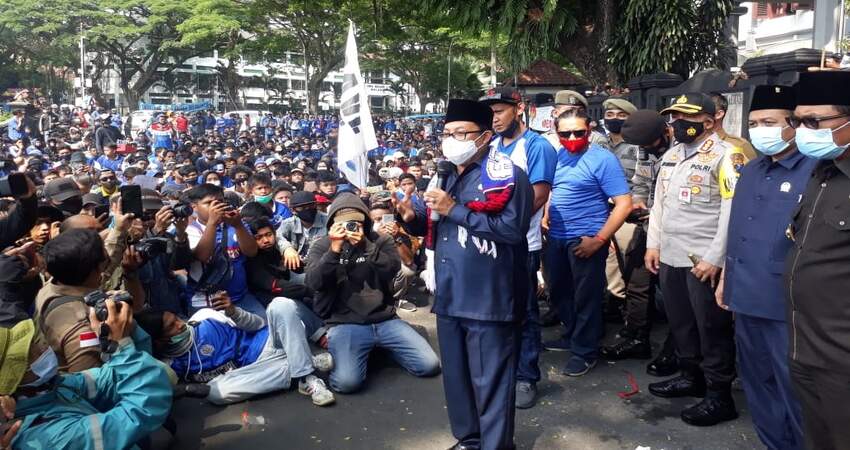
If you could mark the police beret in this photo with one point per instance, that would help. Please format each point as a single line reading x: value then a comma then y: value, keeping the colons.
x: 643, y: 127
x: 619, y: 103
x: 824, y: 88
x: 460, y: 110
x: 570, y: 98
x: 773, y: 97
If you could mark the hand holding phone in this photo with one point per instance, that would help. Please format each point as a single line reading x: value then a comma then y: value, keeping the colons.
x: 131, y: 200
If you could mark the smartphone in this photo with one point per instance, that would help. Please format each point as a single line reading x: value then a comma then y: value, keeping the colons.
x: 388, y: 218
x: 131, y: 200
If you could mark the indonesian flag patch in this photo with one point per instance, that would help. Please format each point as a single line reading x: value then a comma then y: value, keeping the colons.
x: 88, y: 339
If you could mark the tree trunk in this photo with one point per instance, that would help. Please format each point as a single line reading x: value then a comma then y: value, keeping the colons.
x: 586, y: 47
x: 313, y: 88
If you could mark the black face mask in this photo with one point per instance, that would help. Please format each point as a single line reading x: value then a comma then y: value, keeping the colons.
x: 511, y: 130
x: 614, y: 125
x: 656, y: 150
x: 307, y: 215
x: 686, y: 131
x: 71, y: 206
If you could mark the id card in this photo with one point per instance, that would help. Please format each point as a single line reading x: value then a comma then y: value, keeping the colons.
x: 200, y: 300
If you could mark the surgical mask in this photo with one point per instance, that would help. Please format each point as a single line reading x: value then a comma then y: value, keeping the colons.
x: 45, y: 368
x: 511, y: 130
x: 307, y: 215
x: 459, y: 152
x: 180, y: 343
x: 768, y: 140
x: 686, y: 131
x: 214, y: 182
x: 263, y: 199
x: 819, y: 144
x: 614, y: 125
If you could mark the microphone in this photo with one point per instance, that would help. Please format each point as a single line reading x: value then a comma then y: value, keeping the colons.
x: 444, y: 169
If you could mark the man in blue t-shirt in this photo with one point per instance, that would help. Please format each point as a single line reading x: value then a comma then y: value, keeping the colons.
x: 532, y: 153
x: 236, y: 354
x: 580, y: 228
x: 220, y: 243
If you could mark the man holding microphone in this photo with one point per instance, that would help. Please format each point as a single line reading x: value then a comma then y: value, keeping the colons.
x: 476, y: 221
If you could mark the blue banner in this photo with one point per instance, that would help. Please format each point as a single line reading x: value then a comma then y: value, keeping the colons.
x: 184, y: 107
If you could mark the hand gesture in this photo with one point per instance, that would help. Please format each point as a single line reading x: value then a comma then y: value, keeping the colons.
x: 390, y: 228
x: 404, y: 207
x: 131, y: 260
x: 291, y: 260
x: 123, y: 222
x: 221, y: 302
x: 439, y: 201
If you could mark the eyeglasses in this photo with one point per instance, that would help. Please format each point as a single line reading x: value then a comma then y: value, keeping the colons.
x: 812, y: 123
x: 577, y: 133
x: 459, y: 135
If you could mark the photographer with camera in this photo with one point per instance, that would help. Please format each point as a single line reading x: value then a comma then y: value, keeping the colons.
x: 111, y: 407
x: 220, y: 243
x: 352, y: 270
x: 76, y: 260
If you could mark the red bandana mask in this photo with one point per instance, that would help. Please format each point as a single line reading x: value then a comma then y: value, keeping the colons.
x: 575, y: 145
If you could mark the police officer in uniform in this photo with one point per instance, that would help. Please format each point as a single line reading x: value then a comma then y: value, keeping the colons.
x: 480, y: 251
x: 817, y: 269
x: 765, y: 197
x: 686, y: 247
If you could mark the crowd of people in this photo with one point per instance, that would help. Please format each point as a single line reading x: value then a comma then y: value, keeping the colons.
x: 216, y: 258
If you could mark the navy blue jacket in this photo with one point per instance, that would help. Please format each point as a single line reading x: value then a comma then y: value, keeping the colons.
x: 765, y: 196
x: 481, y: 267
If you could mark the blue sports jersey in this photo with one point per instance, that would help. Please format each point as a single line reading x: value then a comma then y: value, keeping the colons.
x: 218, y: 349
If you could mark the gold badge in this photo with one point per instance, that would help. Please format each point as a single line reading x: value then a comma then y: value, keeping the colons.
x: 691, y: 131
x: 674, y: 157
x: 706, y: 157
x: 695, y: 179
x: 695, y: 190
x: 682, y: 99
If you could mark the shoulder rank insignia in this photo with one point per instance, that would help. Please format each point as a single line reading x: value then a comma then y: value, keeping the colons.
x: 706, y: 146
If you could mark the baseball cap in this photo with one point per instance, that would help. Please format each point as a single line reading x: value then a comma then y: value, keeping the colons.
x: 380, y: 197
x: 93, y: 199
x: 570, y: 98
x: 507, y: 95
x: 151, y: 201
x: 691, y: 103
x: 301, y: 198
x: 61, y: 189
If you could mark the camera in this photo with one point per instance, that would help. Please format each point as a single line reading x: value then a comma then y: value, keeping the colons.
x: 97, y: 300
x: 352, y: 226
x: 14, y: 185
x: 152, y: 247
x: 182, y: 210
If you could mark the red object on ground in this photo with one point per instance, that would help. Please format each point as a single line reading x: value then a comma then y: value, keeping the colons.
x: 634, y: 387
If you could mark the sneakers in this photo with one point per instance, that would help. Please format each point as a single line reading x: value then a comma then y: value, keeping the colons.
x: 526, y: 394
x: 558, y: 345
x: 577, y: 366
x: 630, y: 348
x: 716, y: 407
x: 314, y: 387
x: 405, y: 305
x: 323, y: 362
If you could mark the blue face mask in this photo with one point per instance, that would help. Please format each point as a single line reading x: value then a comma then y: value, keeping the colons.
x: 819, y: 144
x: 768, y: 140
x: 45, y: 368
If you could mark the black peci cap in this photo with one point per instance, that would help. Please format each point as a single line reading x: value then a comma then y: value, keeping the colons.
x: 824, y: 88
x: 460, y: 110
x: 773, y: 97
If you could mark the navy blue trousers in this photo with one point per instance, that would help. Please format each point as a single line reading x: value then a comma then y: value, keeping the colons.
x: 529, y: 354
x: 479, y: 362
x: 763, y: 366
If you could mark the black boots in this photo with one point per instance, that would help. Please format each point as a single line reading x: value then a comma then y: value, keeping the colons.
x: 666, y: 363
x: 717, y: 406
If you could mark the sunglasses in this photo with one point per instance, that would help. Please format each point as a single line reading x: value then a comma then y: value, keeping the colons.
x: 577, y: 133
x: 812, y: 123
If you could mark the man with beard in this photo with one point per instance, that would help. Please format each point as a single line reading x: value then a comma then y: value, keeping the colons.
x: 532, y: 153
x: 483, y: 210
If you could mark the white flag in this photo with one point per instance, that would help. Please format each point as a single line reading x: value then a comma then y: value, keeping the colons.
x: 356, y: 134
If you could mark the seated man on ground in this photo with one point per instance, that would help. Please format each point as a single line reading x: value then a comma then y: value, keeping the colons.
x: 351, y: 271
x: 383, y: 217
x: 236, y: 354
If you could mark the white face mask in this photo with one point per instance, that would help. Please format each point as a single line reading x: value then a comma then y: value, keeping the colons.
x: 768, y: 140
x: 214, y: 182
x: 459, y: 152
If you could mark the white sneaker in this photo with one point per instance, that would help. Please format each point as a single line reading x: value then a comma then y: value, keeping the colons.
x: 314, y: 387
x: 323, y: 362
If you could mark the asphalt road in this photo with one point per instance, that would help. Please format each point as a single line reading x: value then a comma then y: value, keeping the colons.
x: 399, y: 411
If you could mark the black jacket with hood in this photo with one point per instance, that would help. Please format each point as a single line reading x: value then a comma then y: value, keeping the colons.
x: 359, y: 292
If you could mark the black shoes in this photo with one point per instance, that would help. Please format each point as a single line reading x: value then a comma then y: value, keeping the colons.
x: 549, y: 318
x: 460, y: 446
x: 665, y: 365
x: 631, y: 348
x: 681, y: 386
x: 717, y: 406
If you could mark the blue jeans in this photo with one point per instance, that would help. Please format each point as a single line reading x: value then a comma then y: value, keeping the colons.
x: 577, y: 286
x: 350, y: 345
x: 530, y: 346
